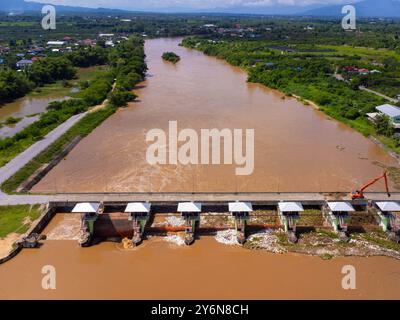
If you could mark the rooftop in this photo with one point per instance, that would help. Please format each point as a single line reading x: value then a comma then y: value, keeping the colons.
x: 141, y: 207
x: 189, y: 207
x: 240, y: 207
x: 388, y: 206
x: 290, y: 207
x: 340, y: 207
x: 389, y: 110
x: 86, y: 207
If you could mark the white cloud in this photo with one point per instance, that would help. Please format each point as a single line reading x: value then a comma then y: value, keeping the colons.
x: 152, y: 4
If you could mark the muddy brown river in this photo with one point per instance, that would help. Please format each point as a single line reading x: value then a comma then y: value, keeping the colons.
x: 206, y: 270
x: 296, y: 147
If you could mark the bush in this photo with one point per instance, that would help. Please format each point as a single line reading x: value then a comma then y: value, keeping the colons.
x: 121, y: 98
x: 384, y: 126
x: 171, y: 57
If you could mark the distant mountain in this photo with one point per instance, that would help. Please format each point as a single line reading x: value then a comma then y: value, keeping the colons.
x: 367, y: 8
x: 22, y: 6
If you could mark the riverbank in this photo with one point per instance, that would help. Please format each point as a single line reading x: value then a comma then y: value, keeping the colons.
x: 14, y: 222
x: 93, y: 100
x: 27, y: 110
x: 306, y: 78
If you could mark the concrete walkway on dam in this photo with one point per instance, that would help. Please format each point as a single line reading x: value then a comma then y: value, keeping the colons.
x: 271, y: 197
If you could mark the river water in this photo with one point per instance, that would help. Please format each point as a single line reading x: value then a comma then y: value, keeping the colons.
x: 296, y: 147
x: 206, y: 270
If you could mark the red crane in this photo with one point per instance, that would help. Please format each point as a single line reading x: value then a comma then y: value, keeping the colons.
x: 359, y: 194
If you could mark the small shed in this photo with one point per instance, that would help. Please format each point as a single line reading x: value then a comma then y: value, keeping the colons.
x: 240, y: 207
x: 189, y: 207
x: 138, y: 207
x: 341, y: 207
x: 388, y: 206
x: 86, y: 207
x: 290, y: 207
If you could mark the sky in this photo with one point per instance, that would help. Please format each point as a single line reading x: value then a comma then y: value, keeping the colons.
x: 190, y: 4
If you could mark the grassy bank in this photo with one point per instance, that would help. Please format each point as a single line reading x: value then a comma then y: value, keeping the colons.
x: 63, y: 88
x: 82, y: 128
x: 58, y: 112
x: 16, y: 219
x: 125, y: 73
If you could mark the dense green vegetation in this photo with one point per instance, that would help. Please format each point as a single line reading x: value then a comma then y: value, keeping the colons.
x: 171, y: 57
x: 15, y: 218
x: 58, y: 112
x: 128, y: 69
x: 82, y: 128
x: 309, y: 75
x: 127, y: 59
x: 15, y: 84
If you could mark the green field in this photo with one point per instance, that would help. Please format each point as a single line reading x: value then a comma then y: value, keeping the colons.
x: 59, y: 89
x: 17, y: 218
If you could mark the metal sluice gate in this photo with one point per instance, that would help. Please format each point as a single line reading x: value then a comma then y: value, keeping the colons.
x: 131, y: 221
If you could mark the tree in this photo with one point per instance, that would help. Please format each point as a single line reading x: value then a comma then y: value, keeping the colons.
x: 384, y: 125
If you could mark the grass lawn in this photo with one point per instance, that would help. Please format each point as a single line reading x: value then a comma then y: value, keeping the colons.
x: 58, y: 90
x: 363, y: 52
x: 88, y: 74
x: 12, y: 218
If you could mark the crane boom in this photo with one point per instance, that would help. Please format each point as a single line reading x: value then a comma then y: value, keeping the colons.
x: 359, y: 194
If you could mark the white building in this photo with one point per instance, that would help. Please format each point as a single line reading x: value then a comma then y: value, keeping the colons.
x: 392, y: 112
x: 56, y: 43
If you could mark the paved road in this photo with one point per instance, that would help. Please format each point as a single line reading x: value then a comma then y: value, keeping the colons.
x: 23, y: 158
x: 379, y: 94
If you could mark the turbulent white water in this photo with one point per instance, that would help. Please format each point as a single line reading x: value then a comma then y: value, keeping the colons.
x: 228, y: 237
x: 175, y: 239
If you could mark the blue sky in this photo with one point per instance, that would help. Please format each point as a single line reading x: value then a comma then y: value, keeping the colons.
x: 191, y: 4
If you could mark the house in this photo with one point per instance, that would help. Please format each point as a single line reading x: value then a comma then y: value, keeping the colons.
x: 351, y: 69
x: 88, y: 42
x: 55, y: 43
x: 23, y: 63
x: 109, y: 43
x: 106, y: 35
x: 389, y: 110
x: 363, y: 72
